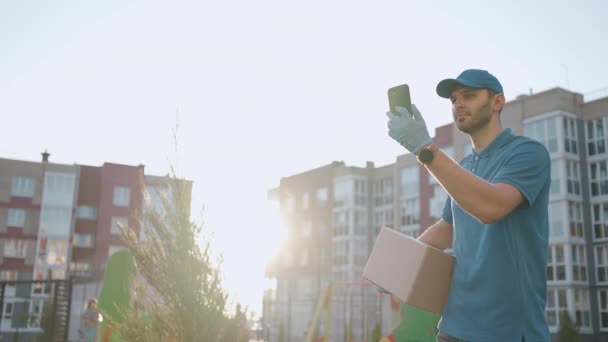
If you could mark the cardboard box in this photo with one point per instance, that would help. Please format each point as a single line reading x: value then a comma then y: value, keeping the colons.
x: 416, y: 273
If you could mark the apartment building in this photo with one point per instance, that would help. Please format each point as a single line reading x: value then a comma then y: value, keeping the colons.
x: 59, y: 221
x: 333, y: 214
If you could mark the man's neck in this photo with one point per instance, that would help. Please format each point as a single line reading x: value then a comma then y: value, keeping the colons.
x: 484, y: 137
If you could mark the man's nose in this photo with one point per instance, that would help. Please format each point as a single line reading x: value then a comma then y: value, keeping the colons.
x: 457, y: 104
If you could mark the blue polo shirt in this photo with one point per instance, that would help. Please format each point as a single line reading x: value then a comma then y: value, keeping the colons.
x: 499, y: 284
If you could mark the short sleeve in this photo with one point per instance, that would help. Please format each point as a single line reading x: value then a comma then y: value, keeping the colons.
x: 527, y: 169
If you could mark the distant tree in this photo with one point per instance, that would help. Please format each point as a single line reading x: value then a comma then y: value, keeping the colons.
x: 177, y: 291
x: 568, y: 332
x: 282, y: 332
x: 377, y: 332
x: 46, y: 320
x: 348, y: 331
x: 22, y: 318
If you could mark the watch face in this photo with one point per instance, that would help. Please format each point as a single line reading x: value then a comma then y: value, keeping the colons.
x: 426, y: 155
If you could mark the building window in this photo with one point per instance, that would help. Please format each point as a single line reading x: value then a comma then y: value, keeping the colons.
x: 14, y: 248
x: 360, y: 223
x: 341, y: 223
x: 596, y: 143
x: 306, y: 228
x: 86, y: 212
x: 437, y: 202
x: 122, y: 196
x: 360, y: 252
x: 8, y: 276
x: 579, y: 263
x: 288, y: 202
x: 59, y: 188
x: 601, y: 264
x: 573, y: 178
x: 600, y: 221
x: 322, y: 228
x: 603, y: 298
x: 389, y: 218
x: 409, y: 182
x: 8, y: 311
x: 114, y: 249
x: 16, y: 218
x: 544, y: 131
x: 304, y: 257
x: 80, y: 269
x: 304, y: 287
x: 556, y: 265
x: 556, y: 177
x: 340, y: 251
x: 53, y: 252
x: 575, y: 217
x: 360, y: 192
x: 383, y: 218
x: 322, y: 256
x: 82, y: 240
x: 22, y: 187
x: 36, y: 312
x: 378, y: 221
x: 556, y: 224
x: 343, y: 192
x: 305, y: 200
x: 570, y: 136
x: 598, y: 178
x: 55, y: 220
x: 117, y: 223
x: 410, y: 217
x: 322, y: 197
x: 582, y: 309
x: 551, y: 141
x: 383, y: 192
x: 556, y: 305
x: 41, y: 288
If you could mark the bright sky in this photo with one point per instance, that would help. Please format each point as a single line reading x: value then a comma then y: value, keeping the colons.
x: 265, y: 89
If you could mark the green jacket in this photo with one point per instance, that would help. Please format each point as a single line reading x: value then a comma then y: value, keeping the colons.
x: 416, y: 325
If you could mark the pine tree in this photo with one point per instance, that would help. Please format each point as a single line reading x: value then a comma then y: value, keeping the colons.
x: 178, y: 295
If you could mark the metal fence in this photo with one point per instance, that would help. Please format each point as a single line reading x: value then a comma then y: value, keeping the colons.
x: 35, y: 310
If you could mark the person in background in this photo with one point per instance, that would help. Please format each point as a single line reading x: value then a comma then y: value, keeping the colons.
x: 91, y: 320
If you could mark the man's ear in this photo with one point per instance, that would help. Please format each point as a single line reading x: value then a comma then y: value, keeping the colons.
x: 498, y: 103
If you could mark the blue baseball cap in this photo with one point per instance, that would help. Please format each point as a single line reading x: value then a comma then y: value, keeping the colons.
x: 473, y: 78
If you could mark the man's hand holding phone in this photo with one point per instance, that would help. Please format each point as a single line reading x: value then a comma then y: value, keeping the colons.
x: 408, y: 129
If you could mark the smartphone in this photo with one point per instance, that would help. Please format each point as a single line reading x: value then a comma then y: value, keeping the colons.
x: 399, y: 96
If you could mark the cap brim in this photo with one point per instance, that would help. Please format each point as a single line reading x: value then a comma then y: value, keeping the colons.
x: 445, y: 87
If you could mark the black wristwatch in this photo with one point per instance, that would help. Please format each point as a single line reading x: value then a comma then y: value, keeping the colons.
x: 427, y: 153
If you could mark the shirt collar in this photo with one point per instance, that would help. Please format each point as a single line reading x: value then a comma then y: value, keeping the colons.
x: 498, y: 142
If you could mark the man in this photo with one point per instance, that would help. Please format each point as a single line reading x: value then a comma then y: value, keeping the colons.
x: 495, y: 217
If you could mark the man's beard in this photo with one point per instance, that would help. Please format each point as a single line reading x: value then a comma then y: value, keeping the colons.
x: 476, y: 121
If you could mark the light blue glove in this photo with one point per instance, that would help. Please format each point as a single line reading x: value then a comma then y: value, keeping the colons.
x: 410, y: 132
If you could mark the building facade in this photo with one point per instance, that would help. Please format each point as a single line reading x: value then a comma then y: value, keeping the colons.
x: 59, y: 221
x: 333, y: 214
